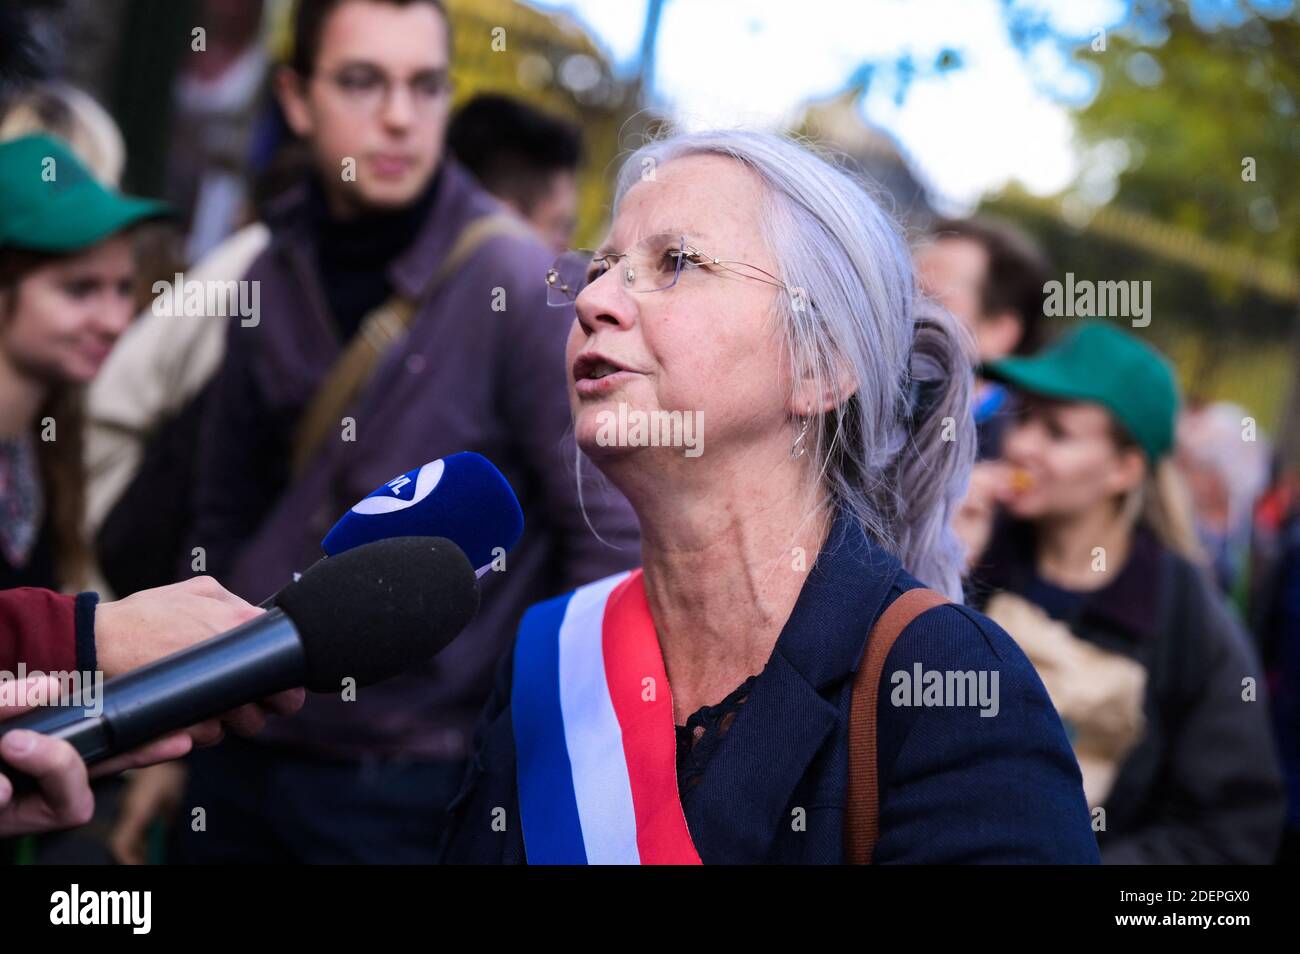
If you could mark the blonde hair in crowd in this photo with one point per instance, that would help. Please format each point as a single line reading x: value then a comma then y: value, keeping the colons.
x: 73, y: 116
x: 1163, y: 504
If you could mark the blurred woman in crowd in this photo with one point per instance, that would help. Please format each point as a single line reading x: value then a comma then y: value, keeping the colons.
x: 67, y: 283
x: 1092, y: 568
x: 757, y: 290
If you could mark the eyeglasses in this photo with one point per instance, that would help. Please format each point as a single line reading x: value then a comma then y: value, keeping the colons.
x: 653, y: 264
x: 368, y: 89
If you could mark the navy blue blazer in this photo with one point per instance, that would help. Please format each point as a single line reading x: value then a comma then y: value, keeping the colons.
x: 955, y: 787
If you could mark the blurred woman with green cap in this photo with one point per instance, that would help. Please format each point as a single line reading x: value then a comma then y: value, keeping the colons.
x: 1091, y: 564
x: 67, y: 287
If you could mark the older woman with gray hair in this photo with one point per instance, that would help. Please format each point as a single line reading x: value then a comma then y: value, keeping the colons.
x: 778, y: 682
x: 1226, y: 468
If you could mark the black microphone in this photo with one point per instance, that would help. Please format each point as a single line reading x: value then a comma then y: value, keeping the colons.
x: 367, y: 614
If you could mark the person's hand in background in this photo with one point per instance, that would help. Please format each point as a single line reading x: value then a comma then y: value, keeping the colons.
x: 158, y: 622
x: 151, y: 793
x: 63, y: 798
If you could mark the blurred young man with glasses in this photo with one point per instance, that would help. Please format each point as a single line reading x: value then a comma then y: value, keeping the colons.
x: 403, y: 318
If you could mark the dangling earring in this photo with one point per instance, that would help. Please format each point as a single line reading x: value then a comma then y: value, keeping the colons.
x: 798, y: 449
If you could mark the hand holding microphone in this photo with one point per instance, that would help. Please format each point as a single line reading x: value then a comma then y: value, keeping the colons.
x: 153, y: 623
x: 304, y: 641
x: 128, y: 633
x: 367, y: 614
x: 61, y: 795
x: 462, y: 497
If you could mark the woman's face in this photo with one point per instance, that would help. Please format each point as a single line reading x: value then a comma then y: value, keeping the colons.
x: 710, y: 344
x: 60, y: 322
x: 1072, y: 462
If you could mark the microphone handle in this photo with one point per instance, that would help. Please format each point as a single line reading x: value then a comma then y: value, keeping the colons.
x: 257, y: 659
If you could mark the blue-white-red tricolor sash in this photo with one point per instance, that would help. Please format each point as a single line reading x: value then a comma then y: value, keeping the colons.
x: 594, y: 736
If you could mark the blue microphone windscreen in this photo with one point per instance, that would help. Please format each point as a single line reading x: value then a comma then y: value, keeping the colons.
x: 462, y: 497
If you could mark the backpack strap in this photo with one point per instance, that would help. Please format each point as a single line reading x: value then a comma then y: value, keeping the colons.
x: 862, y: 814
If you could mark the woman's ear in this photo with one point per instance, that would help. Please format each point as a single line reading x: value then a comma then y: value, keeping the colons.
x: 836, y: 385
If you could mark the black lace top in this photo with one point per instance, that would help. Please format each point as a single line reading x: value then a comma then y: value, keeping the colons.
x: 704, y: 730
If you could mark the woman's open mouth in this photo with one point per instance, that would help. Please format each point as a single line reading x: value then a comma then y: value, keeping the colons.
x: 595, y: 374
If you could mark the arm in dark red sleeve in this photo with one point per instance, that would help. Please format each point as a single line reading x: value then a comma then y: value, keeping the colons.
x: 46, y: 631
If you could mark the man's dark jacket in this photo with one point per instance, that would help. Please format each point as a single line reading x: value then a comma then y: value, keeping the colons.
x: 481, y: 369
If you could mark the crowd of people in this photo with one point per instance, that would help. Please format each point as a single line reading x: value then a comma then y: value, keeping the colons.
x: 883, y: 417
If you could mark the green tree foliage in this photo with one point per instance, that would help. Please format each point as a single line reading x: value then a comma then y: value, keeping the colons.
x: 1199, y: 99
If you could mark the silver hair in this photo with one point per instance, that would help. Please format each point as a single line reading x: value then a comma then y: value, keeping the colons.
x: 896, y: 454
x: 1212, y: 437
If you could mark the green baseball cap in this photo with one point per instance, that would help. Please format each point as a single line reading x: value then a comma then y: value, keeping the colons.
x: 49, y: 202
x: 1099, y: 363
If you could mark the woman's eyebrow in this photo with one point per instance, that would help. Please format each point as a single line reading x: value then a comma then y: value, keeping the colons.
x: 668, y: 233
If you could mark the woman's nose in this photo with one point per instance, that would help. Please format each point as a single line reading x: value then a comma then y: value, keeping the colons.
x: 605, y: 303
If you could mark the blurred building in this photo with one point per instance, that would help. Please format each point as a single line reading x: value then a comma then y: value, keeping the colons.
x: 838, y: 123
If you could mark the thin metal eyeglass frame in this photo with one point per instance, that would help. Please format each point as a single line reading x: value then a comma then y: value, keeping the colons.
x: 684, y: 254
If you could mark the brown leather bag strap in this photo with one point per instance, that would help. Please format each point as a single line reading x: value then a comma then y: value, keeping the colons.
x: 380, y: 329
x: 862, y: 814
